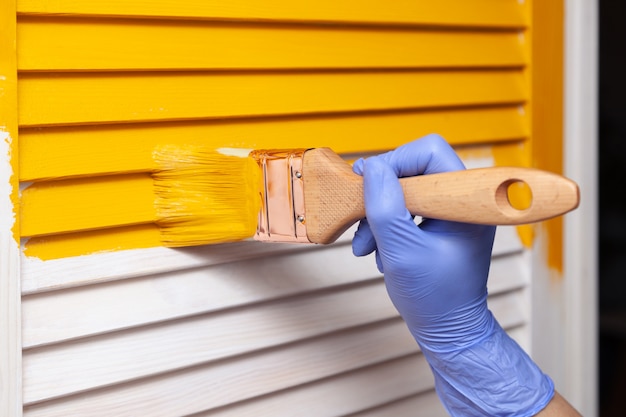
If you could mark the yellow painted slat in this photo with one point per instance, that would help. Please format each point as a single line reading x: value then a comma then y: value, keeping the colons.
x: 56, y: 152
x: 93, y: 44
x: 490, y: 13
x: 92, y: 203
x: 54, y: 99
x: 102, y: 240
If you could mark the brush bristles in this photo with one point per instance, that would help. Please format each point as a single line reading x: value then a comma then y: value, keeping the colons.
x: 204, y: 197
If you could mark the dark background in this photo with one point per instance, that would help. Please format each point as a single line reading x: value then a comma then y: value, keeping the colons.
x: 612, y: 209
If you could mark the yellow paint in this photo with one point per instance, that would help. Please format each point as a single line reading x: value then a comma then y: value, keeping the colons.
x: 87, y: 204
x: 95, y: 241
x: 8, y: 102
x: 488, y: 13
x: 70, y: 43
x: 547, y: 114
x: 47, y: 153
x: 87, y: 135
x: 197, y: 197
x: 519, y: 195
x: 53, y: 100
x: 516, y: 155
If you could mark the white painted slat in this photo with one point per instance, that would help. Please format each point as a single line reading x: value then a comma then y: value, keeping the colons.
x: 56, y: 316
x: 202, y: 388
x: 508, y: 272
x: 196, y: 390
x: 57, y: 372
x: 60, y: 369
x: 89, y: 310
x: 39, y: 276
x: 10, y: 311
x: 345, y: 394
x: 422, y: 405
x: 507, y: 241
x: 508, y: 308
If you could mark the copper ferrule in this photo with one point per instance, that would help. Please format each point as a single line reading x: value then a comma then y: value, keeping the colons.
x: 282, y: 217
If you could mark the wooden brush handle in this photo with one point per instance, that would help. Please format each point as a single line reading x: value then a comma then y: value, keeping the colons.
x: 333, y: 195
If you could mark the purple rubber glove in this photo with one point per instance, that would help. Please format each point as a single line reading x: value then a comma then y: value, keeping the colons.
x: 436, y: 276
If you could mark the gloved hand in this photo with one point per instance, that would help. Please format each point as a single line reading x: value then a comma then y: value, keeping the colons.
x: 436, y: 276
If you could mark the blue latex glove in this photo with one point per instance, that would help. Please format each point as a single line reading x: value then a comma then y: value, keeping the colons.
x: 436, y: 276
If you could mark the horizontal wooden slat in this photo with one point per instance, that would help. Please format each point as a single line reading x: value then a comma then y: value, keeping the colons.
x: 39, y: 276
x: 507, y: 273
x: 55, y: 372
x: 74, y: 244
x: 148, y: 351
x: 489, y: 13
x: 509, y: 309
x: 427, y: 404
x: 54, y: 99
x: 347, y: 394
x: 57, y: 152
x: 115, y: 44
x: 351, y: 394
x: 85, y: 204
x: 54, y: 317
x: 507, y: 241
x: 197, y: 389
x: 57, y: 316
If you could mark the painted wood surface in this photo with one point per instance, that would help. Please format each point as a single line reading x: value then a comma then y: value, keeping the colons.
x: 56, y: 371
x: 246, y: 328
x: 127, y: 303
x: 61, y: 99
x: 41, y: 276
x: 121, y: 44
x: 259, y: 309
x: 10, y: 301
x: 100, y: 89
x: 58, y: 152
x: 485, y: 13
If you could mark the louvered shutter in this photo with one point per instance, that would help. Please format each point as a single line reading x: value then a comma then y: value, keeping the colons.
x: 112, y: 324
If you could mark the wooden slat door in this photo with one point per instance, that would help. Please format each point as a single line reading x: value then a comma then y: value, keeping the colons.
x: 113, y: 324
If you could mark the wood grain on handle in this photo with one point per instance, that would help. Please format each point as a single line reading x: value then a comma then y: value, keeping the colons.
x: 333, y: 195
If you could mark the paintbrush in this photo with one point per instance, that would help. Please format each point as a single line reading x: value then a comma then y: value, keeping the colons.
x: 312, y: 195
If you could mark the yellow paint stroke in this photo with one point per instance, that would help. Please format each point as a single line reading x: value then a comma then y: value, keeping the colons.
x: 548, y: 113
x: 96, y: 241
x: 9, y: 112
x: 87, y: 204
x: 8, y: 203
x: 199, y: 197
x: 477, y: 13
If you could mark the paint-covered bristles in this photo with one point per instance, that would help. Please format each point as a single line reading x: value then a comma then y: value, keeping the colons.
x: 203, y: 196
